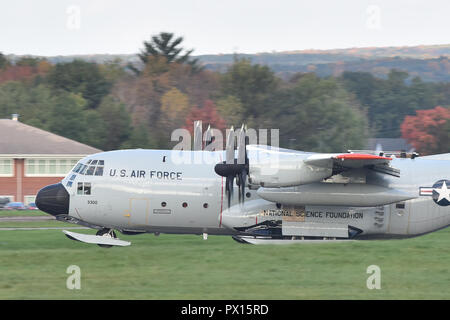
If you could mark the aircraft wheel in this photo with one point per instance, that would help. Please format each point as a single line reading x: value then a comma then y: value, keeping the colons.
x: 106, y: 233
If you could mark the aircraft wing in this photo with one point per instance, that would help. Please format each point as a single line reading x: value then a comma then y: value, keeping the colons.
x: 344, y: 161
x: 337, y: 193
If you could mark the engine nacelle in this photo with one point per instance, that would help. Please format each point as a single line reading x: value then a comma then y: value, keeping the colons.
x: 283, y: 169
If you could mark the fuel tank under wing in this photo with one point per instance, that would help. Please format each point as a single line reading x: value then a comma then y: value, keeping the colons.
x: 335, y: 194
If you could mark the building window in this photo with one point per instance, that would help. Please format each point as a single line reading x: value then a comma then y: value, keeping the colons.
x: 48, y: 167
x: 6, y: 167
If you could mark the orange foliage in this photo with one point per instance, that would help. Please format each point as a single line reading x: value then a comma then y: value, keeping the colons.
x: 209, y: 116
x: 23, y: 72
x: 428, y: 130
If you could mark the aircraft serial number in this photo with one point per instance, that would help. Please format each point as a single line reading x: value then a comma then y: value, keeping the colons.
x: 92, y: 202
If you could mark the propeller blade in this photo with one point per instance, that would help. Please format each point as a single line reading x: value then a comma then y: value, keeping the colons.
x: 229, y: 189
x: 233, y: 168
x: 208, y: 136
x: 243, y: 179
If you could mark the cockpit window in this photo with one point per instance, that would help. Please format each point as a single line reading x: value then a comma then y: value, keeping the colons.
x: 91, y: 168
x: 84, y: 188
x: 80, y: 188
x: 77, y: 167
x: 99, y: 171
x: 87, y: 188
x: 83, y: 169
x: 90, y: 171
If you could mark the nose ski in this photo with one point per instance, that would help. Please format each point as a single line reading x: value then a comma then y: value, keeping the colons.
x: 100, y: 240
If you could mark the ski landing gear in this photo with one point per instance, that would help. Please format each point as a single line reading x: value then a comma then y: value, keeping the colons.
x: 105, y: 232
x: 105, y: 238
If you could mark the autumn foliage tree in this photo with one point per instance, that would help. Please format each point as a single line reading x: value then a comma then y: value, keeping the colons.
x: 208, y: 114
x: 23, y: 71
x: 429, y: 130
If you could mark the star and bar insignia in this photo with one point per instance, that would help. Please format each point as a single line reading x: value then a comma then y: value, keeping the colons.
x: 440, y: 192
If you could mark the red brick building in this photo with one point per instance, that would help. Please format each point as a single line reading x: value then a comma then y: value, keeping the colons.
x: 31, y: 158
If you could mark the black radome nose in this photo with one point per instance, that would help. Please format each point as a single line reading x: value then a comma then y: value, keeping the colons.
x: 53, y: 199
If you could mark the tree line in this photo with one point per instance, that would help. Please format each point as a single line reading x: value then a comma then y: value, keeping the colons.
x: 112, y: 105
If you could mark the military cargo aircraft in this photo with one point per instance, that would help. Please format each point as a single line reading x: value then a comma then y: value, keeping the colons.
x: 255, y: 193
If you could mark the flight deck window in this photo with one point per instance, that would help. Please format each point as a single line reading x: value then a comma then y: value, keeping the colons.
x: 99, y: 171
x: 95, y: 168
x: 83, y: 169
x: 77, y: 168
x: 80, y: 188
x: 90, y: 171
x: 87, y: 188
x: 84, y: 188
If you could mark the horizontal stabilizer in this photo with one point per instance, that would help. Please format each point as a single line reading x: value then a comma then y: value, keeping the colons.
x: 88, y: 238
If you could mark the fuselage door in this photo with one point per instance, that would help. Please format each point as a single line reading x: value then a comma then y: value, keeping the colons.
x: 138, y: 211
x: 399, y: 218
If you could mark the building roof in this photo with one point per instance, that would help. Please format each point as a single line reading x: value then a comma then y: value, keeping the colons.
x: 17, y: 138
x: 390, y: 144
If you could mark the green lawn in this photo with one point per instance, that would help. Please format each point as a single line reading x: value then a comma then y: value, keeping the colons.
x: 37, y: 224
x: 33, y: 266
x: 22, y: 213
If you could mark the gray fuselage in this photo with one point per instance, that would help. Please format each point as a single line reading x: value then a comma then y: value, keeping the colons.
x: 149, y: 191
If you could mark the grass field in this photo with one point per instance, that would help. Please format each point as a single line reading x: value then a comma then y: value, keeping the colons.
x: 22, y: 213
x: 33, y: 265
